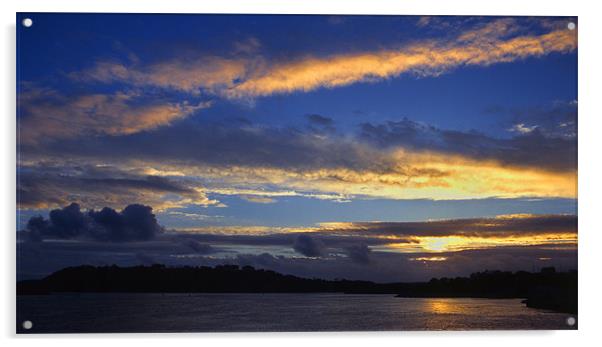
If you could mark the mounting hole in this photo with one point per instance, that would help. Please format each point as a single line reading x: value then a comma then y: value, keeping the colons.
x: 571, y: 321
x: 27, y: 22
x: 571, y: 26
x: 27, y: 325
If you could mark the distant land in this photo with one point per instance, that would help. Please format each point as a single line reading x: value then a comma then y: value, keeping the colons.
x: 547, y: 289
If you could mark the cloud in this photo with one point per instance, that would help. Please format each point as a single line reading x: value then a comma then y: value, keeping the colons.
x: 249, y: 46
x: 358, y: 253
x: 500, y: 226
x: 497, y: 41
x: 46, y: 115
x: 265, y: 196
x: 198, y: 247
x: 311, y: 242
x: 558, y: 120
x: 320, y: 124
x: 134, y: 223
x: 48, y: 185
x: 558, y: 231
x: 36, y: 260
x: 395, y: 160
x: 491, y: 31
x: 522, y: 128
x: 424, y: 21
x: 192, y: 216
x: 209, y: 73
x: 320, y: 120
x: 68, y: 222
x: 369, y: 250
x: 36, y: 227
x: 451, y: 24
x: 427, y: 59
x: 258, y: 199
x: 543, y: 148
x: 308, y: 246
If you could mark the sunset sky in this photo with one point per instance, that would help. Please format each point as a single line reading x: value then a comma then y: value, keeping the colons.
x: 386, y: 148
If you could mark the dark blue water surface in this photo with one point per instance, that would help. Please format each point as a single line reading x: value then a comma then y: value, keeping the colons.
x: 81, y: 313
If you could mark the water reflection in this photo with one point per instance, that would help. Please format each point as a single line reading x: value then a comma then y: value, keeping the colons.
x: 441, y: 306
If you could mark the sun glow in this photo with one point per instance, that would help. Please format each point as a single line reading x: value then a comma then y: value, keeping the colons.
x: 441, y: 244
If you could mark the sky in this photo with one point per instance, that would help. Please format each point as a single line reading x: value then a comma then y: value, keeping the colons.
x: 385, y: 148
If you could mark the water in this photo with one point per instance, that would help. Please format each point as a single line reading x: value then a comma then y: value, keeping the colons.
x: 78, y: 313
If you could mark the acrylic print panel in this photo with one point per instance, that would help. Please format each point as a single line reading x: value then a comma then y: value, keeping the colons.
x: 206, y: 173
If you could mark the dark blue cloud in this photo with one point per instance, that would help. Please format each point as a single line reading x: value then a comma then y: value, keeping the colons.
x: 320, y: 124
x: 133, y: 223
x: 198, y: 247
x: 308, y: 246
x: 36, y: 260
x: 45, y: 185
x: 68, y: 222
x: 538, y: 148
x: 358, y: 253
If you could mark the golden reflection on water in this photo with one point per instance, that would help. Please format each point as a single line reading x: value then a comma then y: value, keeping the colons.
x: 442, y: 306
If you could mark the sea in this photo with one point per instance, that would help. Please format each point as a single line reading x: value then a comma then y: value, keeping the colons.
x: 170, y: 313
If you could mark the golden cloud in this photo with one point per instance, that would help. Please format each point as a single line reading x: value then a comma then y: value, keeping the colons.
x: 48, y: 115
x: 387, y: 174
x: 430, y: 58
x: 407, y: 175
x: 495, y: 42
x: 443, y: 236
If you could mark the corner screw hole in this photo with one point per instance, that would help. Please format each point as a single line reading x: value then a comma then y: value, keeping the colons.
x: 571, y: 321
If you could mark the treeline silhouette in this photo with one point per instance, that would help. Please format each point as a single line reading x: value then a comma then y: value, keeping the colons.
x: 546, y: 289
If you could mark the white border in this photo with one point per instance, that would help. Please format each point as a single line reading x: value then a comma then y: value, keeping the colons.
x: 589, y: 163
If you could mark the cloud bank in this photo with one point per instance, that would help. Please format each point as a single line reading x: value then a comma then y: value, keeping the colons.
x: 394, y: 160
x: 369, y: 250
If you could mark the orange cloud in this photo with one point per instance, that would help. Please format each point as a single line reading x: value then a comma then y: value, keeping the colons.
x: 443, y: 236
x: 395, y: 175
x: 427, y: 58
x: 462, y: 243
x: 48, y: 115
x: 495, y: 42
x: 518, y: 230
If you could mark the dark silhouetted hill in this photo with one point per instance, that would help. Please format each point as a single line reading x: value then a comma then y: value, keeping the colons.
x: 547, y: 289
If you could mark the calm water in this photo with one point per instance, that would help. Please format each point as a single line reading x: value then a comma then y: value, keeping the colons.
x: 64, y: 313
